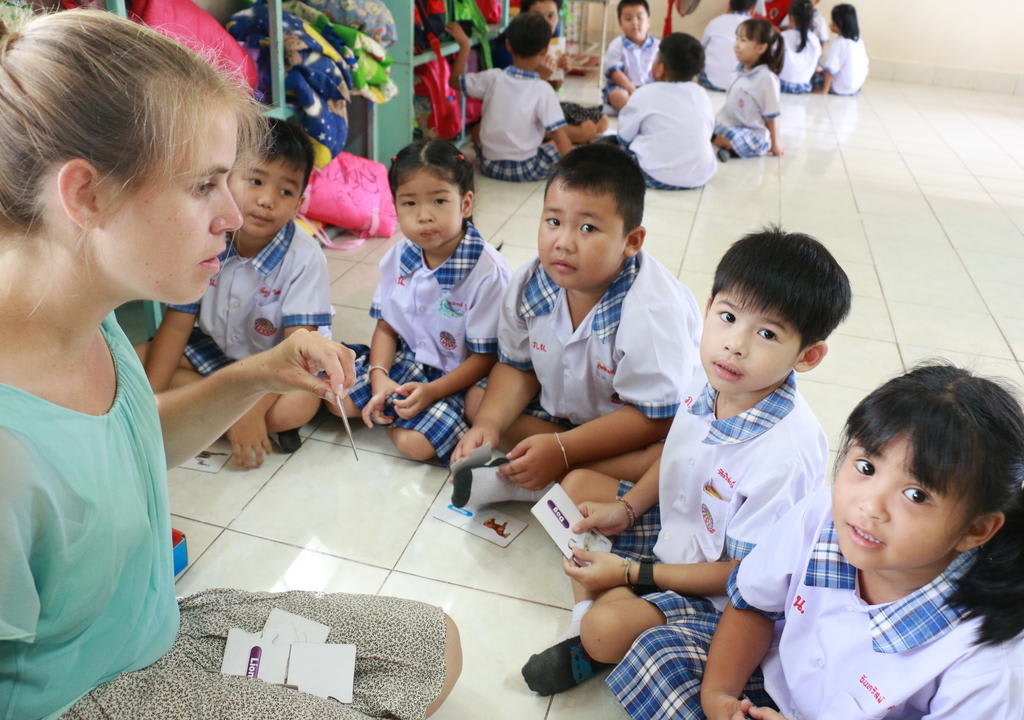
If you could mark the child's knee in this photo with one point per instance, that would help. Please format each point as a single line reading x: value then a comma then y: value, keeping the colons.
x: 600, y: 633
x: 474, y: 396
x: 412, y: 444
x: 292, y: 410
x: 575, y: 484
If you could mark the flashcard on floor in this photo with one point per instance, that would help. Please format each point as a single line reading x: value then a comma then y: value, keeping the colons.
x: 557, y: 514
x: 251, y: 655
x: 327, y: 671
x: 491, y: 525
x: 208, y: 460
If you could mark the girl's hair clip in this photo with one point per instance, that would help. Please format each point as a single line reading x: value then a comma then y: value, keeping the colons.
x: 461, y: 156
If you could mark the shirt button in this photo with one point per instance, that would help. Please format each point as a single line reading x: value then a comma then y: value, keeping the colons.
x: 691, y: 463
x: 422, y: 309
x: 820, y: 662
x: 234, y: 303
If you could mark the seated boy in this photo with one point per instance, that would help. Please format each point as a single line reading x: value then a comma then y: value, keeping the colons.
x: 628, y: 59
x: 522, y: 128
x: 273, y: 281
x: 718, y: 41
x: 743, y: 451
x: 666, y: 124
x: 596, y: 339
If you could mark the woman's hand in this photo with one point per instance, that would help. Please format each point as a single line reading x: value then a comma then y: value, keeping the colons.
x: 604, y: 571
x: 305, y: 361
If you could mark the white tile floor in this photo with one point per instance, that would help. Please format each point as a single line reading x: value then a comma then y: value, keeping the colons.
x: 919, y: 191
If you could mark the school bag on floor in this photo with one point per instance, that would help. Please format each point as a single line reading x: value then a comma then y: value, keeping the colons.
x: 353, y: 193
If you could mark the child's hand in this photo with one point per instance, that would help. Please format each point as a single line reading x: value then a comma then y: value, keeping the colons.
x: 608, y: 518
x: 763, y: 713
x: 722, y: 706
x: 604, y: 571
x: 547, y: 68
x: 776, y: 150
x: 373, y: 411
x: 249, y: 440
x: 563, y: 61
x: 457, y: 33
x: 475, y: 437
x: 303, y: 361
x: 417, y: 397
x: 534, y: 462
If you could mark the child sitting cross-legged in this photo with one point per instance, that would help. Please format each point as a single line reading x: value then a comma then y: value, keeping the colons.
x: 273, y: 280
x: 667, y: 123
x: 743, y: 450
x: 596, y: 340
x: 629, y: 57
x: 522, y: 127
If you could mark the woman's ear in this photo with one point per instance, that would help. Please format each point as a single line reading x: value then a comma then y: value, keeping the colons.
x: 81, y: 197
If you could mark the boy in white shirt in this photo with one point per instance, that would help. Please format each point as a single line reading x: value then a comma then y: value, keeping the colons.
x: 666, y: 124
x: 718, y: 39
x: 273, y: 281
x: 745, y: 448
x: 522, y: 127
x: 629, y: 57
x: 596, y: 341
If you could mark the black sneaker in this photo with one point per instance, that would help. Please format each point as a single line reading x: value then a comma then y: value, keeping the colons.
x: 723, y: 155
x: 289, y: 441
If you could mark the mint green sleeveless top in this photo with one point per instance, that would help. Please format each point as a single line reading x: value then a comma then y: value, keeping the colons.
x: 86, y: 581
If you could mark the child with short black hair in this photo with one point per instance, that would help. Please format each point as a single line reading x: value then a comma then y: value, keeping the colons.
x: 897, y: 592
x: 747, y: 125
x: 596, y: 341
x: 745, y: 448
x: 273, y: 281
x: 629, y: 57
x: 436, y: 307
x: 803, y: 49
x: 846, y: 65
x: 718, y: 40
x: 666, y: 124
x: 522, y: 127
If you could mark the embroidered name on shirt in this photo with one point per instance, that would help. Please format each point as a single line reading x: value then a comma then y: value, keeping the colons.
x: 267, y: 292
x: 400, y: 281
x: 872, y: 690
x: 538, y: 346
x: 602, y: 367
x: 725, y: 476
x: 799, y: 604
x: 688, y: 401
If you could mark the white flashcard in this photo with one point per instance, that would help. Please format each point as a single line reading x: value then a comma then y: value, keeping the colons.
x: 485, y: 522
x: 249, y: 654
x: 285, y: 627
x: 327, y: 671
x: 557, y: 514
x: 208, y: 460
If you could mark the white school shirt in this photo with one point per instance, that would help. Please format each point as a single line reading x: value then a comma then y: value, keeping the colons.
x: 444, y: 314
x: 847, y: 60
x: 518, y: 108
x: 634, y: 60
x: 638, y: 346
x: 251, y: 301
x: 724, y: 484
x: 799, y: 66
x: 667, y: 125
x: 719, y: 56
x: 753, y: 97
x: 836, y: 657
x: 818, y: 26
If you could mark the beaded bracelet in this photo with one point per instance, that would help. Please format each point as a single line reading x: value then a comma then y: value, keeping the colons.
x: 564, y: 455
x: 630, y: 512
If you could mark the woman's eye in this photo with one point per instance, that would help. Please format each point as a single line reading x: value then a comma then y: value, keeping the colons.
x: 727, y: 316
x: 864, y: 467
x: 204, y: 188
x: 767, y: 334
x: 915, y: 495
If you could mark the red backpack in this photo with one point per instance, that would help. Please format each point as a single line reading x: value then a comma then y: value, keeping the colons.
x: 433, y: 77
x: 491, y: 10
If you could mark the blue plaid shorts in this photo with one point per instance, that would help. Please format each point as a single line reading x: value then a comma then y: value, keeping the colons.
x: 703, y: 80
x: 795, y: 88
x: 648, y: 180
x: 536, y: 168
x: 204, y: 353
x: 745, y: 141
x: 442, y: 423
x: 637, y: 542
x: 661, y: 674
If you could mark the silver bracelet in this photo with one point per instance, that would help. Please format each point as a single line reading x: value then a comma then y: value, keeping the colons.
x: 377, y: 367
x: 564, y: 455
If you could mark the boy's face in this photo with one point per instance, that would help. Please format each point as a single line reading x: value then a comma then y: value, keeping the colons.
x: 748, y: 353
x: 582, y: 242
x: 268, y: 193
x: 635, y: 22
x: 549, y: 10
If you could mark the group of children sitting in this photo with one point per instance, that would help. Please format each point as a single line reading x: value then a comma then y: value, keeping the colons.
x: 738, y: 583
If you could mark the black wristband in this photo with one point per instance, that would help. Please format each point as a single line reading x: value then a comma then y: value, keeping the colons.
x: 645, y: 579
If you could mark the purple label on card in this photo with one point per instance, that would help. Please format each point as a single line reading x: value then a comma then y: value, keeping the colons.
x: 558, y: 514
x: 254, y: 662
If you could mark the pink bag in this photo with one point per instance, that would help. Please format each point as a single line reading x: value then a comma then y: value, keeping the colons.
x: 353, y: 193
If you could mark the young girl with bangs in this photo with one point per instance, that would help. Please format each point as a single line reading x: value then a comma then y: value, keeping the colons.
x: 897, y: 592
x: 747, y: 125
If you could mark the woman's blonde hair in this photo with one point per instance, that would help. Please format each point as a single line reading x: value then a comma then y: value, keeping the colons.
x: 87, y: 84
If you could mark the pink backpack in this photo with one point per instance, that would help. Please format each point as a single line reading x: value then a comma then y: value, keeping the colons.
x: 353, y: 193
x: 445, y: 120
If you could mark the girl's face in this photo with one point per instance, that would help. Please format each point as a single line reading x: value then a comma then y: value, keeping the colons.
x: 431, y: 212
x: 747, y: 51
x: 549, y: 10
x: 899, y: 535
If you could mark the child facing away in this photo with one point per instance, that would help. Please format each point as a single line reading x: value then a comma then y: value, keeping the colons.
x: 436, y: 307
x: 897, y: 592
x: 803, y: 49
x: 666, y: 124
x: 719, y: 40
x: 273, y: 280
x: 846, y: 65
x: 522, y: 128
x: 747, y: 125
x: 742, y: 451
x: 596, y: 341
x: 629, y: 57
x: 818, y: 25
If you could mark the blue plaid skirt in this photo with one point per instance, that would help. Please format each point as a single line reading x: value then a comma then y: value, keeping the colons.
x: 637, y: 542
x: 648, y: 180
x: 204, y: 353
x: 747, y: 142
x: 703, y: 80
x: 795, y: 88
x: 536, y: 168
x: 818, y: 81
x: 442, y: 423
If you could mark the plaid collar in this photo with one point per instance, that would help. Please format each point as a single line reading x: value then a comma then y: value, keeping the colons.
x: 267, y: 259
x: 453, y: 270
x: 541, y: 292
x: 906, y: 623
x: 627, y: 43
x: 520, y: 73
x: 750, y: 423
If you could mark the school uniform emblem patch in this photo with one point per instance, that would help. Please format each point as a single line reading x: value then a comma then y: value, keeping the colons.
x: 264, y: 327
x: 448, y: 341
x: 709, y: 520
x: 450, y: 309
